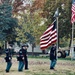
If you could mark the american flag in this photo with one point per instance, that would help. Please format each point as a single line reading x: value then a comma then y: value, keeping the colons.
x: 49, y: 36
x: 73, y: 12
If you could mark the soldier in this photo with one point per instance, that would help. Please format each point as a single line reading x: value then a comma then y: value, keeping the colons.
x: 53, y: 56
x: 20, y: 58
x: 8, y: 58
x: 25, y: 47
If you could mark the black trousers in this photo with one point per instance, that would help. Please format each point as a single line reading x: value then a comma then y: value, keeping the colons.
x: 26, y: 62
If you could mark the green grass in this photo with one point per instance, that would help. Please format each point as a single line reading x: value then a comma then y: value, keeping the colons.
x: 47, y: 57
x: 55, y: 73
x: 40, y: 66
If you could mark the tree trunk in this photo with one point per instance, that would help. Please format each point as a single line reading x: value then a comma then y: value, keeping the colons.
x: 70, y: 42
x: 32, y: 51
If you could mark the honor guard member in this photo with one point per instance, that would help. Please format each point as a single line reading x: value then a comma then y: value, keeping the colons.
x: 20, y: 58
x: 24, y: 50
x: 8, y: 58
x: 53, y: 57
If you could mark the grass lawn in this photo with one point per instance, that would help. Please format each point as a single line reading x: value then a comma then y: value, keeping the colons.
x: 40, y: 67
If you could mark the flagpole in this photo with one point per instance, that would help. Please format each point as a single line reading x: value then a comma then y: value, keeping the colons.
x: 72, y: 48
x: 57, y: 15
x: 57, y: 34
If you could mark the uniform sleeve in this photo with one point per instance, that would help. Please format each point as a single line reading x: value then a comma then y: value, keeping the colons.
x: 20, y: 53
x: 7, y: 52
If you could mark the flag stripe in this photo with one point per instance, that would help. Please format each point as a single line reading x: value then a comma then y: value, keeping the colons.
x: 48, y: 38
x: 44, y: 46
x: 52, y: 35
x: 47, y: 32
x: 73, y: 11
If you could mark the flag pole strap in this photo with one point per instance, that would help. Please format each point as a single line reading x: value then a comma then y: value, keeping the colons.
x: 53, y: 21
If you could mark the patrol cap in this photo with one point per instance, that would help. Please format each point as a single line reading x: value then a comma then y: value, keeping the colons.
x: 25, y: 45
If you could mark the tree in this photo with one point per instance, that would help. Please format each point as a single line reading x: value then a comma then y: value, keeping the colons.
x: 18, y: 5
x: 64, y: 19
x: 29, y: 29
x: 37, y: 4
x: 7, y: 22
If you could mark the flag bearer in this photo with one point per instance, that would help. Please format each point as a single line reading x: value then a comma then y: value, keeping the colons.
x: 53, y: 56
